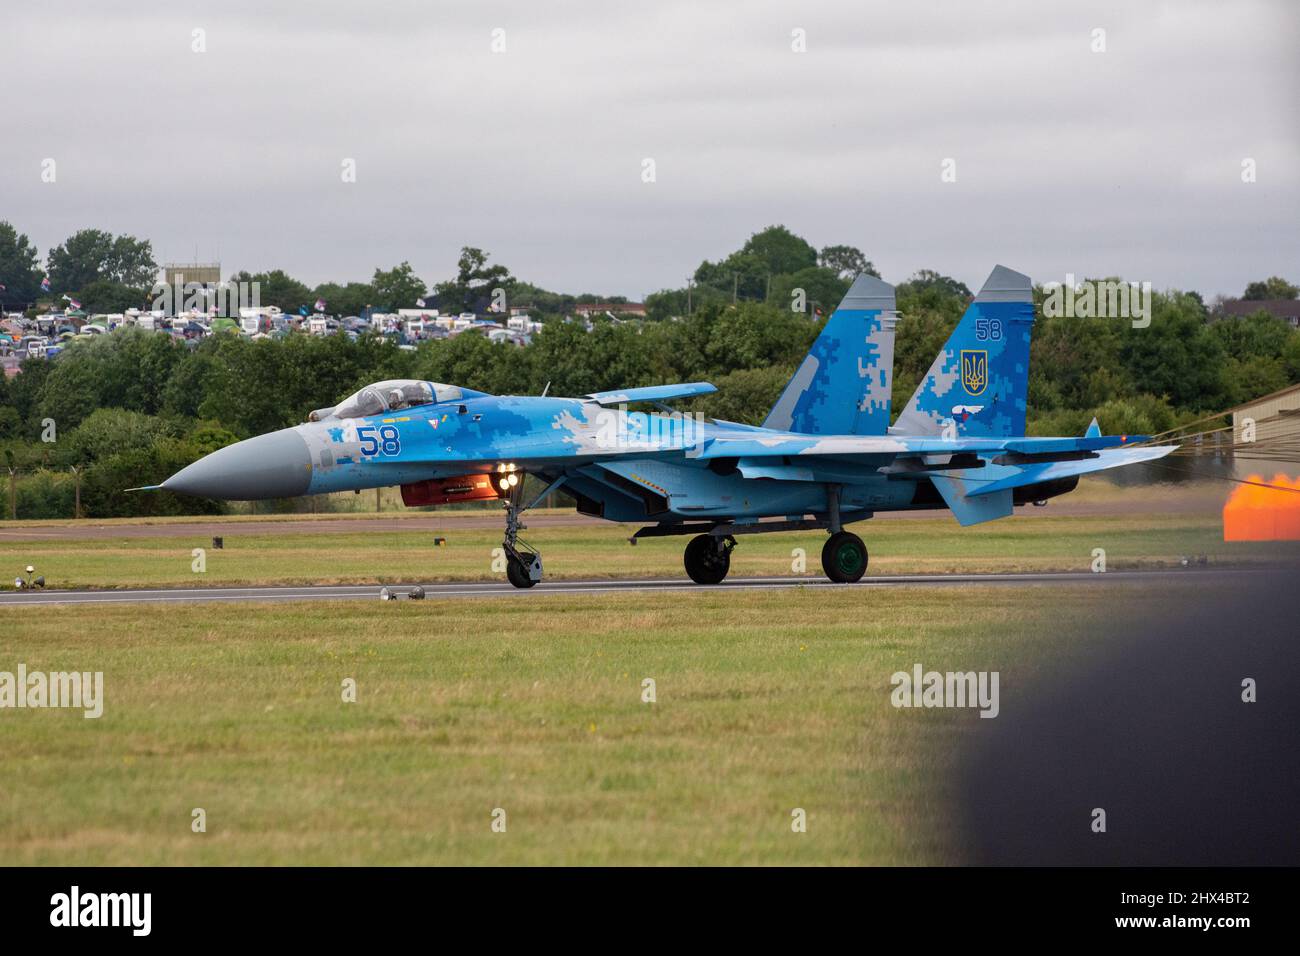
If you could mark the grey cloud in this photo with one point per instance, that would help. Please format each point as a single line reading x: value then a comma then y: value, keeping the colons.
x: 1125, y: 162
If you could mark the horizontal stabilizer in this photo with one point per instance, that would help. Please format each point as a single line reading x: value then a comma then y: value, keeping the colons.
x: 959, y: 495
x: 1051, y: 471
x: 651, y: 393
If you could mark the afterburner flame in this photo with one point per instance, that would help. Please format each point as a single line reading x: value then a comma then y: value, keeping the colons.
x: 1254, y: 513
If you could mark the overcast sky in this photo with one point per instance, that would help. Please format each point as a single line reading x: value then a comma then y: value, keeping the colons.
x: 1125, y: 162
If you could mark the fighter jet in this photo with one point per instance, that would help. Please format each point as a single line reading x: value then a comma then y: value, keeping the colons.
x: 826, y: 456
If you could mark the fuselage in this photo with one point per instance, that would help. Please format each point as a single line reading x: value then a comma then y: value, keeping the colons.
x: 622, y: 465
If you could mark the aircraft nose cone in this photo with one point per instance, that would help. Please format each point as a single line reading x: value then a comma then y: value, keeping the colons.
x: 277, y: 465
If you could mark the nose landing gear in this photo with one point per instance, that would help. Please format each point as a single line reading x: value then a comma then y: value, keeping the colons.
x: 523, y: 563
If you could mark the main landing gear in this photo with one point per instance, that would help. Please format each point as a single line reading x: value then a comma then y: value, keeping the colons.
x: 844, y: 557
x: 523, y: 563
x: 708, y: 558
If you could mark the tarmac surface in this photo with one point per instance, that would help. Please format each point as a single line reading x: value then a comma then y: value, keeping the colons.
x: 502, y: 589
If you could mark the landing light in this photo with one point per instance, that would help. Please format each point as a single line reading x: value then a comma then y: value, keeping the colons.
x: 30, y: 582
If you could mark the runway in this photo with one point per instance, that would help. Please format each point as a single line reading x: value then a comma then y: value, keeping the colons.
x: 502, y: 589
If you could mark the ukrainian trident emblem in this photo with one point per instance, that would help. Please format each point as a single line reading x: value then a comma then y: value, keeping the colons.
x: 974, y: 370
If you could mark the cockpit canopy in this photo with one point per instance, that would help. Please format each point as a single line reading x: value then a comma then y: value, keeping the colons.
x: 388, y: 396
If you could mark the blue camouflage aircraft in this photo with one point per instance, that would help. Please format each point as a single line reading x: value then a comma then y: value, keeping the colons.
x: 825, y: 456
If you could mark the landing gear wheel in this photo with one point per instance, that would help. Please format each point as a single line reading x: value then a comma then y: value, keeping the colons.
x: 517, y: 574
x: 523, y: 564
x: 844, y: 558
x: 708, y: 558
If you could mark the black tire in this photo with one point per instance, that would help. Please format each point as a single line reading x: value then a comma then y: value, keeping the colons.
x: 517, y: 573
x: 844, y: 558
x: 707, y: 559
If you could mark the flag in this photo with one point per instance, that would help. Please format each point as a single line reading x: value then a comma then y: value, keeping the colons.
x: 45, y: 283
x: 302, y: 310
x: 2, y: 287
x: 66, y: 297
x: 73, y: 302
x: 419, y: 302
x: 320, y: 305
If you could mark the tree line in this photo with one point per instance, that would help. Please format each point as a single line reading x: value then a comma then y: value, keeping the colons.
x: 131, y: 408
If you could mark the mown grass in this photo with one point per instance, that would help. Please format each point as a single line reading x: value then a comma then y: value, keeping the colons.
x: 766, y: 702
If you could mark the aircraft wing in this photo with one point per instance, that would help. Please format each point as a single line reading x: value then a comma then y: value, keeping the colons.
x: 742, y: 445
x: 651, y: 393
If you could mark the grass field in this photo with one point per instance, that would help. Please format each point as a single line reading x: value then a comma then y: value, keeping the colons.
x: 601, y: 550
x: 766, y: 701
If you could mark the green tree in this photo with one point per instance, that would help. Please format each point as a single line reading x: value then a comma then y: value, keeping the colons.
x: 20, y: 270
x: 780, y: 250
x: 131, y: 262
x: 104, y: 494
x: 474, y: 282
x: 207, y: 437
x: 576, y: 362
x: 1274, y: 287
x: 350, y: 299
x: 743, y: 275
x: 1291, y: 357
x: 847, y: 262
x: 1176, y: 356
x: 106, y: 432
x: 279, y: 289
x: 747, y: 273
x: 746, y: 395
x: 822, y: 290
x: 1077, y: 362
x: 105, y: 295
x: 1249, y: 378
x: 398, y: 288
x: 25, y: 393
x: 752, y: 335
x: 81, y: 259
x: 71, y: 392
x: 472, y: 361
x: 929, y: 280
x: 10, y: 423
x: 1261, y: 335
x: 91, y: 255
x: 917, y: 341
